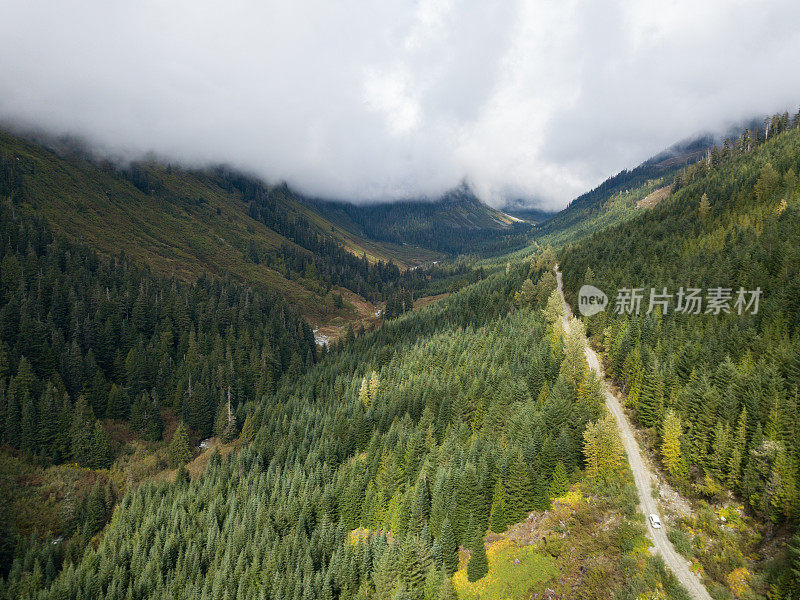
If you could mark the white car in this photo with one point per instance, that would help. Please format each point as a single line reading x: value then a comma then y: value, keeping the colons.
x: 655, y: 521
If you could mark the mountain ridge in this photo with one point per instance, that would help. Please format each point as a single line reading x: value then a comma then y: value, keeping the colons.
x: 184, y: 223
x: 437, y: 223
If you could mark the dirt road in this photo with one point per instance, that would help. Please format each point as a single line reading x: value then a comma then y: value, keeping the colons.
x: 641, y: 475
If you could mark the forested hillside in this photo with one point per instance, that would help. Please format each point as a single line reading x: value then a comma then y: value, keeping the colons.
x: 590, y: 205
x: 718, y: 383
x: 616, y: 208
x: 216, y: 221
x: 364, y: 476
x: 456, y: 223
x: 84, y: 337
x: 620, y: 197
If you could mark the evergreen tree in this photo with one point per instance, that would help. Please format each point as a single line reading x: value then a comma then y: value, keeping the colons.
x: 101, y: 449
x: 498, y: 517
x: 413, y: 564
x: 447, y: 591
x: 781, y: 491
x: 385, y: 574
x: 179, y: 450
x: 12, y: 431
x: 526, y: 295
x: 651, y: 398
x: 49, y: 423
x: 248, y: 429
x: 118, y: 404
x: 7, y: 535
x: 519, y: 490
x: 29, y: 426
x: 82, y: 433
x: 95, y: 510
x: 559, y: 484
x: 225, y: 424
x: 182, y: 475
x: 793, y: 571
x: 768, y: 183
x: 478, y: 565
x: 449, y: 547
x: 554, y: 309
x: 738, y: 451
x: 721, y: 451
x: 544, y: 287
x: 146, y: 418
x: 469, y: 503
x: 565, y: 450
x: 421, y: 507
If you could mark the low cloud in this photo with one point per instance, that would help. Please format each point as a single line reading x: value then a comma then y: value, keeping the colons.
x: 393, y: 99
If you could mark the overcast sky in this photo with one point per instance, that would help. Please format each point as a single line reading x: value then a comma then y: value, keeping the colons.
x: 386, y: 99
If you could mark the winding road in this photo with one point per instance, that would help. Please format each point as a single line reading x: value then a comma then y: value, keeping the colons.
x: 641, y: 475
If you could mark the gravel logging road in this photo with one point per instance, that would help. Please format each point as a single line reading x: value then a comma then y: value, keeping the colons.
x: 642, y: 476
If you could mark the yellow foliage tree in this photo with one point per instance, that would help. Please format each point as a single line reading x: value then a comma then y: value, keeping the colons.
x: 574, y: 365
x: 704, y: 208
x: 363, y: 393
x: 739, y: 581
x: 547, y: 259
x: 554, y: 309
x: 602, y: 447
x: 374, y: 384
x: 671, y: 444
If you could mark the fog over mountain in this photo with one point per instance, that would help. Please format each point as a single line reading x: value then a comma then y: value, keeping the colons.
x: 394, y: 99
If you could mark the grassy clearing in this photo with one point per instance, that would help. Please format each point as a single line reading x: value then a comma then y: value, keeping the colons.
x: 591, y: 543
x: 514, y: 573
x: 41, y: 498
x: 198, y: 464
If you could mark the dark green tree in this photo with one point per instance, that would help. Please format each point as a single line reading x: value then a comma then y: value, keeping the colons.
x: 498, y: 517
x: 413, y: 564
x: 118, y: 403
x: 179, y: 452
x: 478, y: 565
x: 651, y: 399
x: 82, y: 433
x: 146, y: 418
x: 559, y: 484
x: 793, y: 571
x: 449, y: 547
x: 101, y: 450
